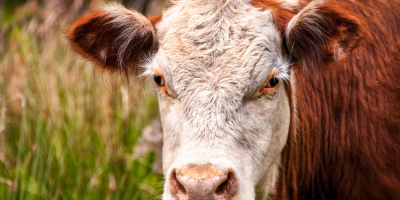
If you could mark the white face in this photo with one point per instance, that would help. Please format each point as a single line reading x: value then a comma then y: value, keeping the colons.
x: 224, y: 119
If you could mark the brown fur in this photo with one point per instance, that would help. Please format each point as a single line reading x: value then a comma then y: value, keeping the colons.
x: 155, y: 19
x: 344, y: 142
x: 281, y: 16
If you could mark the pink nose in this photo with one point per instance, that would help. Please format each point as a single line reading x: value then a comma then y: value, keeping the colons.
x: 196, y: 182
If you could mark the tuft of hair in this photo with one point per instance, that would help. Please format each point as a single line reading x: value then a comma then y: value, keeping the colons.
x: 323, y: 32
x: 113, y: 38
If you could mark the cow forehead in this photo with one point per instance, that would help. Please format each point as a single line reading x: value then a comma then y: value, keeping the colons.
x: 213, y: 46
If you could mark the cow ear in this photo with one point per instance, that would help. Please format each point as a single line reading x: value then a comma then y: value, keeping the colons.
x: 114, y: 38
x: 323, y: 32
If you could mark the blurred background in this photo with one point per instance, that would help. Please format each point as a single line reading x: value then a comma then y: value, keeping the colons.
x: 68, y: 131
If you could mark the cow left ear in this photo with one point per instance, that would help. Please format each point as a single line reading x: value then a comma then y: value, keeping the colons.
x: 114, y: 38
x: 323, y: 32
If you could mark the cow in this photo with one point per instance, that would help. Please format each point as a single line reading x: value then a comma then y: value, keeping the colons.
x: 265, y: 99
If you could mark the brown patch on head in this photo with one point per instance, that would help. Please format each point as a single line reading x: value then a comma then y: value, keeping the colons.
x: 155, y: 19
x: 282, y: 13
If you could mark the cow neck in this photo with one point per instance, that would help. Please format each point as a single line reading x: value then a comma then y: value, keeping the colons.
x: 345, y: 138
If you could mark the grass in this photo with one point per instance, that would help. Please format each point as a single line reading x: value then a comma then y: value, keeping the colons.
x: 67, y: 131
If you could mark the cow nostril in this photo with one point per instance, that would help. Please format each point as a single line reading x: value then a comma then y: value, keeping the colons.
x: 176, y: 186
x: 228, y: 187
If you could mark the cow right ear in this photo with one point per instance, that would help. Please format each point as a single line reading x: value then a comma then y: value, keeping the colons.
x: 114, y: 38
x: 323, y: 32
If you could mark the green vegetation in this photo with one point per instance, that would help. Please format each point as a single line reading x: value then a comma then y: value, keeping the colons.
x: 66, y: 130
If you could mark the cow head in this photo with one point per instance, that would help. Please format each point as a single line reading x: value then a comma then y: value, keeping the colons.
x: 223, y: 80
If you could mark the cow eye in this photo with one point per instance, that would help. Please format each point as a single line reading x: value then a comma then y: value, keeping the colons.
x: 159, y: 80
x: 270, y: 87
x: 272, y: 82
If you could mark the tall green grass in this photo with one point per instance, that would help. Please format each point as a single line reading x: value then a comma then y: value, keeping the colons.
x: 67, y: 131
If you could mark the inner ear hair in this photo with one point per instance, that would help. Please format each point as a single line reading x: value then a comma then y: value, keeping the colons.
x: 113, y: 38
x: 323, y: 32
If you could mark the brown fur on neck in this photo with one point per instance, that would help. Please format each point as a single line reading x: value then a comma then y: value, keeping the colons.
x: 345, y: 140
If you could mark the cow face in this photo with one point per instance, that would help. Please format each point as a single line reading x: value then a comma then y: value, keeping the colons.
x: 223, y: 85
x: 221, y: 79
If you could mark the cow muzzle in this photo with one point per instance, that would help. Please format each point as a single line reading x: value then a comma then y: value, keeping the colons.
x: 200, y: 182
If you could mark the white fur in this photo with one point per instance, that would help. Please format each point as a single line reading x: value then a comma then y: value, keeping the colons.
x: 215, y: 56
